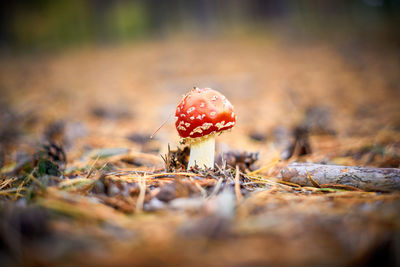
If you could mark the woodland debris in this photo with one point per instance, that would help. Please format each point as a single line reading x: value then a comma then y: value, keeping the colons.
x: 54, y: 153
x: 245, y: 160
x: 239, y: 195
x: 365, y: 178
x: 22, y: 223
x: 380, y: 155
x: 64, y: 132
x: 140, y: 138
x: 299, y: 144
x: 112, y: 113
x: 141, y: 159
x: 296, y: 143
x: 147, y: 143
x: 54, y: 132
x: 318, y: 120
x: 2, y: 156
x: 176, y: 160
x: 142, y: 194
x: 187, y: 204
x: 258, y: 136
x: 49, y: 159
x: 178, y: 189
x: 107, y: 152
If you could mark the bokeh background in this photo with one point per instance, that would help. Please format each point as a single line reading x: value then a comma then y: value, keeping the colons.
x: 45, y: 24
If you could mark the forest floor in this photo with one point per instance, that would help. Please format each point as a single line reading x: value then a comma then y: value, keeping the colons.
x: 82, y: 183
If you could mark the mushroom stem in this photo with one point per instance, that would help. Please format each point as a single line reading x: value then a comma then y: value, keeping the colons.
x: 202, y: 153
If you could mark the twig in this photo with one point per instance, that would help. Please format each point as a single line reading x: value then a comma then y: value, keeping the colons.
x: 365, y: 178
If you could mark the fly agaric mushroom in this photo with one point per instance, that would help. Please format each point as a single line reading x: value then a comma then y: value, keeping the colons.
x: 200, y: 115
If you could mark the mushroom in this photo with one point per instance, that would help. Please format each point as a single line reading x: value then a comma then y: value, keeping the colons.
x: 200, y: 115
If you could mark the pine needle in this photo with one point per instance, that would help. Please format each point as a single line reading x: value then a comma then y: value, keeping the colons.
x: 142, y: 193
x: 12, y: 190
x: 216, y: 188
x: 314, y: 183
x: 267, y: 167
x: 201, y: 189
x: 239, y: 195
x: 92, y: 167
x: 159, y: 175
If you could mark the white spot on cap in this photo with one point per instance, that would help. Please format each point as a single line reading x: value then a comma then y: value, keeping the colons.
x: 206, y: 125
x: 233, y: 115
x: 219, y: 125
x: 213, y: 113
x: 202, y: 104
x: 196, y: 130
x: 199, y: 117
x: 187, y: 124
x: 201, y: 128
x: 214, y: 97
x: 222, y: 124
x: 183, y: 115
x: 192, y: 118
x: 176, y: 118
x: 190, y: 110
x: 180, y: 127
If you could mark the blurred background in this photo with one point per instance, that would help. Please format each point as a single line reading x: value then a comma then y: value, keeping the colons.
x: 46, y: 24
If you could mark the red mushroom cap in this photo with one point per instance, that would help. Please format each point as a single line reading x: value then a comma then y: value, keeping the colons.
x: 202, y: 112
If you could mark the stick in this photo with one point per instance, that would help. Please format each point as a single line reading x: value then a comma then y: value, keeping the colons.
x: 369, y: 179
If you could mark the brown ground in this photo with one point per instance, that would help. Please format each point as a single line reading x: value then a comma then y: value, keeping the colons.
x: 96, y: 98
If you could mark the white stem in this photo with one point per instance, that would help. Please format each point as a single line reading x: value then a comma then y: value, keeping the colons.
x: 202, y: 153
